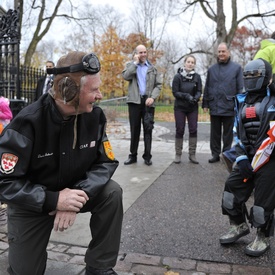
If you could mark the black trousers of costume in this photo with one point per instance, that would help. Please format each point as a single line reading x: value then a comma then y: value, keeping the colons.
x: 29, y: 233
x: 136, y: 117
x: 221, y: 128
x: 263, y: 184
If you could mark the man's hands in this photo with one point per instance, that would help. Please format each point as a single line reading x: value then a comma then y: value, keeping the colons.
x: 136, y: 58
x: 71, y: 200
x: 149, y: 101
x: 63, y: 219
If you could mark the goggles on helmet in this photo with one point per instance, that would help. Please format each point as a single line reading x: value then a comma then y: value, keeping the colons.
x: 254, y: 73
x: 90, y: 64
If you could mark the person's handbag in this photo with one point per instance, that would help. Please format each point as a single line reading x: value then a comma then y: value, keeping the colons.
x: 148, y: 120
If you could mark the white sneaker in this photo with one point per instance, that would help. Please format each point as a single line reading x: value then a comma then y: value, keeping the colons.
x: 234, y: 233
x: 259, y: 246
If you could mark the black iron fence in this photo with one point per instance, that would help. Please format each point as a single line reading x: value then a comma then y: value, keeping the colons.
x: 117, y: 108
x: 18, y: 83
x: 28, y: 78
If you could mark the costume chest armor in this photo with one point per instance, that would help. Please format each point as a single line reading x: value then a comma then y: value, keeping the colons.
x: 251, y: 120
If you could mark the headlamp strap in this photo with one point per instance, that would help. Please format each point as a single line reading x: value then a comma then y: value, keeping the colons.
x: 70, y: 69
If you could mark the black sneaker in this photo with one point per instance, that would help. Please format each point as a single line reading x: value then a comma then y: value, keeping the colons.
x: 94, y: 271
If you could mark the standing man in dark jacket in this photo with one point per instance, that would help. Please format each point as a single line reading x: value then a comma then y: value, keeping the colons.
x: 223, y: 82
x: 144, y: 87
x: 44, y: 83
x: 56, y: 161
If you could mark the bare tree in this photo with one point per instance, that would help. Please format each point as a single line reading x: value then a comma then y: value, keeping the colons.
x: 40, y: 30
x: 81, y: 22
x: 215, y: 11
x: 39, y: 16
x: 151, y: 18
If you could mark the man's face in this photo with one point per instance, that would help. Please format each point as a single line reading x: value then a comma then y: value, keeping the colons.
x: 89, y: 93
x: 142, y: 53
x: 223, y: 53
x: 49, y: 65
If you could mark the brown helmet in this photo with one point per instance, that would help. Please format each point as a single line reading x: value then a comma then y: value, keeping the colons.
x: 68, y: 72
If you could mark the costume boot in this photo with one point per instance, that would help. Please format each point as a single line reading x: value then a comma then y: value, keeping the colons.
x: 178, y: 149
x: 192, y: 149
x: 235, y: 232
x: 259, y: 246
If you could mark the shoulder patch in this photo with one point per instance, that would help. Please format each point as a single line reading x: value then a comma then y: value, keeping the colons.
x: 8, y: 162
x: 108, y: 150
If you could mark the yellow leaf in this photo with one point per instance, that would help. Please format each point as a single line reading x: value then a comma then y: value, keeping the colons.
x: 171, y: 273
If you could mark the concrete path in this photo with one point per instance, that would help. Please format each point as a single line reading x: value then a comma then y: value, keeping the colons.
x: 172, y: 217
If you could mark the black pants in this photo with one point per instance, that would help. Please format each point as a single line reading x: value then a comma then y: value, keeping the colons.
x: 263, y: 184
x: 221, y: 128
x: 136, y: 117
x: 180, y: 119
x: 29, y: 233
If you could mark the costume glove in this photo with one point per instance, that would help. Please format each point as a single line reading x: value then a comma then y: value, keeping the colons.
x: 245, y: 168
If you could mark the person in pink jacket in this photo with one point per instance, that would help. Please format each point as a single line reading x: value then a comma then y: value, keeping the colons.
x: 5, y: 118
x: 5, y: 113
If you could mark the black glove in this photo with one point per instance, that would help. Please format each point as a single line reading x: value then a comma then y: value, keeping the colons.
x: 193, y: 101
x: 245, y: 168
x: 188, y: 97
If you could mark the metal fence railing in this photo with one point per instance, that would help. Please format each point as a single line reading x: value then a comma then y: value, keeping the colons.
x: 114, y: 108
x: 117, y: 108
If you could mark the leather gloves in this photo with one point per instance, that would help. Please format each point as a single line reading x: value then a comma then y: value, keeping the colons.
x: 193, y: 101
x: 190, y: 99
x: 245, y: 168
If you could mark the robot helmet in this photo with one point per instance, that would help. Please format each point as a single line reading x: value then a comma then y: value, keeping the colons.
x: 257, y: 74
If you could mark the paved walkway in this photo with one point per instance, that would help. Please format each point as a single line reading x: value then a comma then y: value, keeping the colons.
x: 66, y: 250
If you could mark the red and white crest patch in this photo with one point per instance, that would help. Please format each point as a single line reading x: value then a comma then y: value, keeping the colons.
x: 8, y: 162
